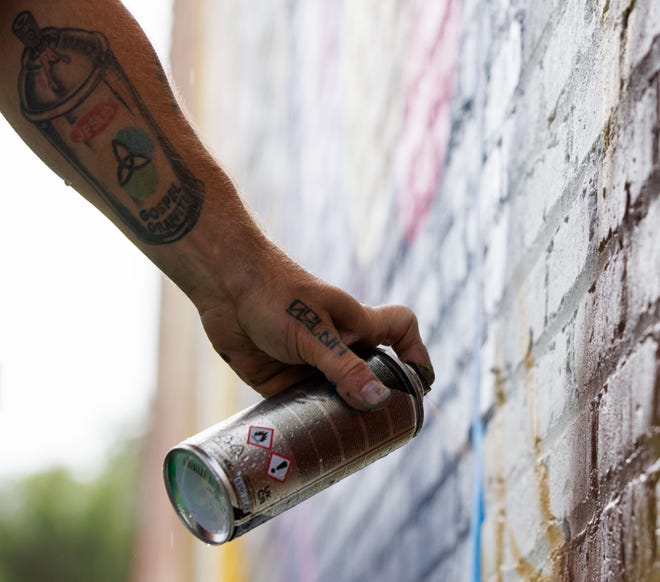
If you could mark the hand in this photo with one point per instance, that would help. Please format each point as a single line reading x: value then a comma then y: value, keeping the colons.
x: 271, y: 320
x: 290, y: 322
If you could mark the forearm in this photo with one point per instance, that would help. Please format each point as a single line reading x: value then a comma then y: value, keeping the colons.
x: 89, y: 96
x: 82, y: 86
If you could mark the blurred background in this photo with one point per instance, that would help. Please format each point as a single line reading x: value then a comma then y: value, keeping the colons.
x: 494, y: 165
x: 79, y: 311
x: 335, y: 123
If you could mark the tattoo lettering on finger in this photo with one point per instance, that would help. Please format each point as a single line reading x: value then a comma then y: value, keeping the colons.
x: 304, y: 314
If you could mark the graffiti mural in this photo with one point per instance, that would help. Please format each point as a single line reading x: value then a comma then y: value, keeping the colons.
x: 427, y: 86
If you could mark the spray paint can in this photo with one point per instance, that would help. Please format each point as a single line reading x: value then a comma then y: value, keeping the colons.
x: 75, y: 91
x: 240, y: 473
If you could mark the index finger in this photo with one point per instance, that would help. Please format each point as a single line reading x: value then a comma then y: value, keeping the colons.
x: 398, y: 327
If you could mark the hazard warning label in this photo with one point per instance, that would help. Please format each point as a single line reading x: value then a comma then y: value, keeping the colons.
x: 260, y: 436
x: 278, y: 467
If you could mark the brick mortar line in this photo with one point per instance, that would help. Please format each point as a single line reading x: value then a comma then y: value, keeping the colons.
x: 565, y: 102
x: 463, y: 534
x: 629, y: 93
x: 450, y: 390
x: 552, y: 221
x: 426, y: 499
x: 401, y: 254
x: 644, y: 326
x: 635, y: 85
x: 538, y: 50
x: 582, y: 404
x: 595, y: 262
x: 648, y: 471
x: 447, y: 309
x: 445, y: 554
x: 571, y: 292
x: 640, y: 463
x: 596, y: 259
x: 526, y: 66
x: 620, y: 242
x: 556, y: 214
x: 423, y: 498
x: 539, y: 247
x: 590, y: 163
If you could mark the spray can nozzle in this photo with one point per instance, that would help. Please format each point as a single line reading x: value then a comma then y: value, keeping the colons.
x: 26, y: 28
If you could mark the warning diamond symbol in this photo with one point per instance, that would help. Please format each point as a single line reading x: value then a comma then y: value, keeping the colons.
x: 278, y: 467
x: 260, y: 436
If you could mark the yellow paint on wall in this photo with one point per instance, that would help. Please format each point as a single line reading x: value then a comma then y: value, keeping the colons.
x: 233, y: 560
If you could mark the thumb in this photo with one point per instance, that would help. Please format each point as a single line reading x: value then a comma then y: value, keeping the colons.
x: 355, y: 381
x: 319, y: 344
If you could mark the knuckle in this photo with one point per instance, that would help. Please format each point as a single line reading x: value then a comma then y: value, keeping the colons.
x: 353, y: 367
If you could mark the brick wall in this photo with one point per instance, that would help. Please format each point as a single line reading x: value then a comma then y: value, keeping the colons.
x: 495, y: 165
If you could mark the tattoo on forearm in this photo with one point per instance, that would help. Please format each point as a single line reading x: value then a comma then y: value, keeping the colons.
x: 311, y: 320
x: 78, y: 95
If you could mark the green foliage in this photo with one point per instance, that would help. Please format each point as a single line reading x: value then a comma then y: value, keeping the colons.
x: 54, y: 527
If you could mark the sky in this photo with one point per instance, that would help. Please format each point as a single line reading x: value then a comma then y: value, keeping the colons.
x: 78, y: 312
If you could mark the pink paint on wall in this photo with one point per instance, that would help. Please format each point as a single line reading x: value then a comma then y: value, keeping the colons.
x: 428, y: 83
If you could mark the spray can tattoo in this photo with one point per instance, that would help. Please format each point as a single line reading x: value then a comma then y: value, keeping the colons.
x: 75, y: 91
x: 236, y: 475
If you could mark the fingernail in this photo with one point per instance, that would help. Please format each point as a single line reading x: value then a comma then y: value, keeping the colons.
x: 375, y: 393
x: 427, y: 373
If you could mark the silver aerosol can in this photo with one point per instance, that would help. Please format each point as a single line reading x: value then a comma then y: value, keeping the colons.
x: 75, y: 91
x: 262, y: 461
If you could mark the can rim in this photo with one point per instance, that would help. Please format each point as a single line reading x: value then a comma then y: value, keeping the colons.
x: 411, y: 377
x: 221, y: 478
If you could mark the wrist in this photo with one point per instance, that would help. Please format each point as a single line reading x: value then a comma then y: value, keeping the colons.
x: 224, y: 258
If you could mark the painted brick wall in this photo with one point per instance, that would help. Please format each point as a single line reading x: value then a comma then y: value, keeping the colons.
x: 495, y: 165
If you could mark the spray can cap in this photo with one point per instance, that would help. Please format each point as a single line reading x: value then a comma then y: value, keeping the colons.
x: 425, y: 374
x: 61, y: 66
x: 26, y: 28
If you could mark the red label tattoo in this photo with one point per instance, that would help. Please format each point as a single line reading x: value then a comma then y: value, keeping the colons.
x: 94, y: 122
